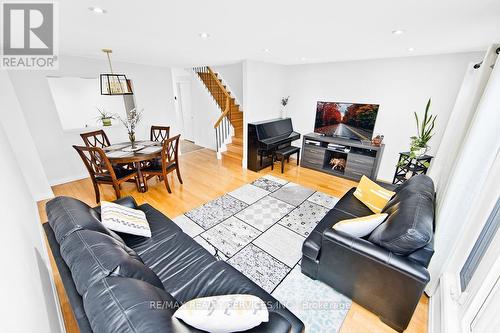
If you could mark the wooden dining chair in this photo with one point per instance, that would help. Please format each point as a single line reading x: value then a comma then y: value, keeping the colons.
x: 101, y: 170
x: 169, y: 162
x: 96, y: 139
x: 159, y: 133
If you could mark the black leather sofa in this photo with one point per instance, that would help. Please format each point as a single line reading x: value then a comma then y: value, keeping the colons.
x: 125, y: 283
x: 385, y: 272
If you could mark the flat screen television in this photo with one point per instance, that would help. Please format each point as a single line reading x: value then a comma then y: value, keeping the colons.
x: 349, y: 120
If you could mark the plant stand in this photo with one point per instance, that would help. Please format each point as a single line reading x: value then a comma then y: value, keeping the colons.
x: 408, y: 167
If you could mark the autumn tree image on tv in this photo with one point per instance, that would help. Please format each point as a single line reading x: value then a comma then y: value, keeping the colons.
x: 349, y: 120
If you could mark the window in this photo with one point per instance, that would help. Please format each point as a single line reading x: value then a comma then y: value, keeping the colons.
x: 479, y: 249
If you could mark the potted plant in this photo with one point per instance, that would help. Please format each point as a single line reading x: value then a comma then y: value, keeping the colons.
x: 130, y: 122
x: 284, y: 103
x: 104, y: 117
x: 418, y: 143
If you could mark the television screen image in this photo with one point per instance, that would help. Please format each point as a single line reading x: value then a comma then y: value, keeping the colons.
x: 349, y: 120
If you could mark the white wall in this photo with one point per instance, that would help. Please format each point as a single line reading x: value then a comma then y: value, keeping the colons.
x: 16, y: 128
x: 27, y: 299
x: 232, y: 76
x: 400, y: 86
x: 203, y: 108
x: 264, y: 85
x: 153, y: 93
x: 76, y: 101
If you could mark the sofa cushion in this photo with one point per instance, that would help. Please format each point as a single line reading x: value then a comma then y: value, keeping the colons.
x: 116, y: 304
x: 360, y: 226
x: 423, y: 255
x: 220, y: 278
x: 374, y: 196
x: 312, y: 244
x: 409, y: 225
x: 421, y: 184
x: 161, y: 228
x: 124, y: 219
x: 351, y: 205
x: 176, y: 260
x: 418, y: 182
x: 232, y: 313
x: 67, y: 215
x: 92, y: 256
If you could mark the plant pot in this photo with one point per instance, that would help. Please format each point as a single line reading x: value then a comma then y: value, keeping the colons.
x: 106, y: 121
x: 421, y: 151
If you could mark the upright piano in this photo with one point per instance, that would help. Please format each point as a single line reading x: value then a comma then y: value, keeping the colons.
x: 266, y: 136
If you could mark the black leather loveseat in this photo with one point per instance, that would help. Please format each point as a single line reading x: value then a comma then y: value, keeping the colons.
x: 386, y: 271
x: 124, y: 283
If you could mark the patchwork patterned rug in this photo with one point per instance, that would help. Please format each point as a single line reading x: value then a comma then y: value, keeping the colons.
x: 259, y: 229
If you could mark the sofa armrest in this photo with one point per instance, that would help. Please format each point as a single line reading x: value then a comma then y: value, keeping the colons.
x: 376, y: 253
x: 386, y: 284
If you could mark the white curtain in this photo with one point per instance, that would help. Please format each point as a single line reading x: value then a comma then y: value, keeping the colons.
x: 465, y: 156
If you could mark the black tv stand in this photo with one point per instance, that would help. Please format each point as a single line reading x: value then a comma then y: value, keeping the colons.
x: 341, y: 157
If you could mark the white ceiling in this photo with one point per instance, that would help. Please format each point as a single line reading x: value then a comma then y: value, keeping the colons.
x: 166, y: 32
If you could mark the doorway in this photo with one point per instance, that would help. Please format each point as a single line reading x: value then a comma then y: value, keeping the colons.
x: 184, y: 103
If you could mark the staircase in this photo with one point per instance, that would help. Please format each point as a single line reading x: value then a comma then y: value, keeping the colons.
x: 229, y: 126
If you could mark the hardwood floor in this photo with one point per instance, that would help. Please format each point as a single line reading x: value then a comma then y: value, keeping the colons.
x: 206, y: 178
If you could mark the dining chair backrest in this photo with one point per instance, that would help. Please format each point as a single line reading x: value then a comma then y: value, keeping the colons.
x: 170, y: 151
x: 159, y: 133
x: 96, y: 162
x: 96, y: 139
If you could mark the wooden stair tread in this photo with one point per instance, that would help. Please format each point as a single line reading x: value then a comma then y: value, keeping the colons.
x: 234, y: 149
x: 237, y: 141
x: 216, y: 87
x: 230, y: 154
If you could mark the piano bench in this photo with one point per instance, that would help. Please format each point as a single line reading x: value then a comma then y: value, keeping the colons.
x: 285, y: 153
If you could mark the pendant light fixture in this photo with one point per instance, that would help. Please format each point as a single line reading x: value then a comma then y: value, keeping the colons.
x: 114, y: 84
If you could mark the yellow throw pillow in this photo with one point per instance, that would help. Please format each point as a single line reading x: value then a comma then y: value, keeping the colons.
x: 360, y: 226
x: 372, y: 195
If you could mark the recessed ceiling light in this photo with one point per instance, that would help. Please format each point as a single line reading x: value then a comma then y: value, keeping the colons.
x: 398, y: 32
x: 266, y: 50
x: 204, y: 35
x: 303, y: 59
x: 411, y: 49
x: 97, y: 10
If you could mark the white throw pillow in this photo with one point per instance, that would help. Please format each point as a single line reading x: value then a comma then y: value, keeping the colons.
x: 124, y: 219
x: 224, y: 314
x: 361, y: 226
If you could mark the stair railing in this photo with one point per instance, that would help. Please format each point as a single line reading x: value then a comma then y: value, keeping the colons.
x: 223, y: 99
x: 222, y: 128
x: 215, y: 87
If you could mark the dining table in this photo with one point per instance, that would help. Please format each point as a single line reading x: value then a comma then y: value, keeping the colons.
x: 135, y: 154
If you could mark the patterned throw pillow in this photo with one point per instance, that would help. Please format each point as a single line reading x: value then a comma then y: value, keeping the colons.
x: 123, y: 219
x: 372, y: 194
x: 224, y: 313
x: 360, y: 226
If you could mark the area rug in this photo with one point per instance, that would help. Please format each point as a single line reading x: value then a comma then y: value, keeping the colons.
x: 259, y: 229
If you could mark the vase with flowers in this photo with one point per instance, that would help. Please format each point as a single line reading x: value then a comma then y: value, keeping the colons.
x: 284, y: 103
x: 130, y: 123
